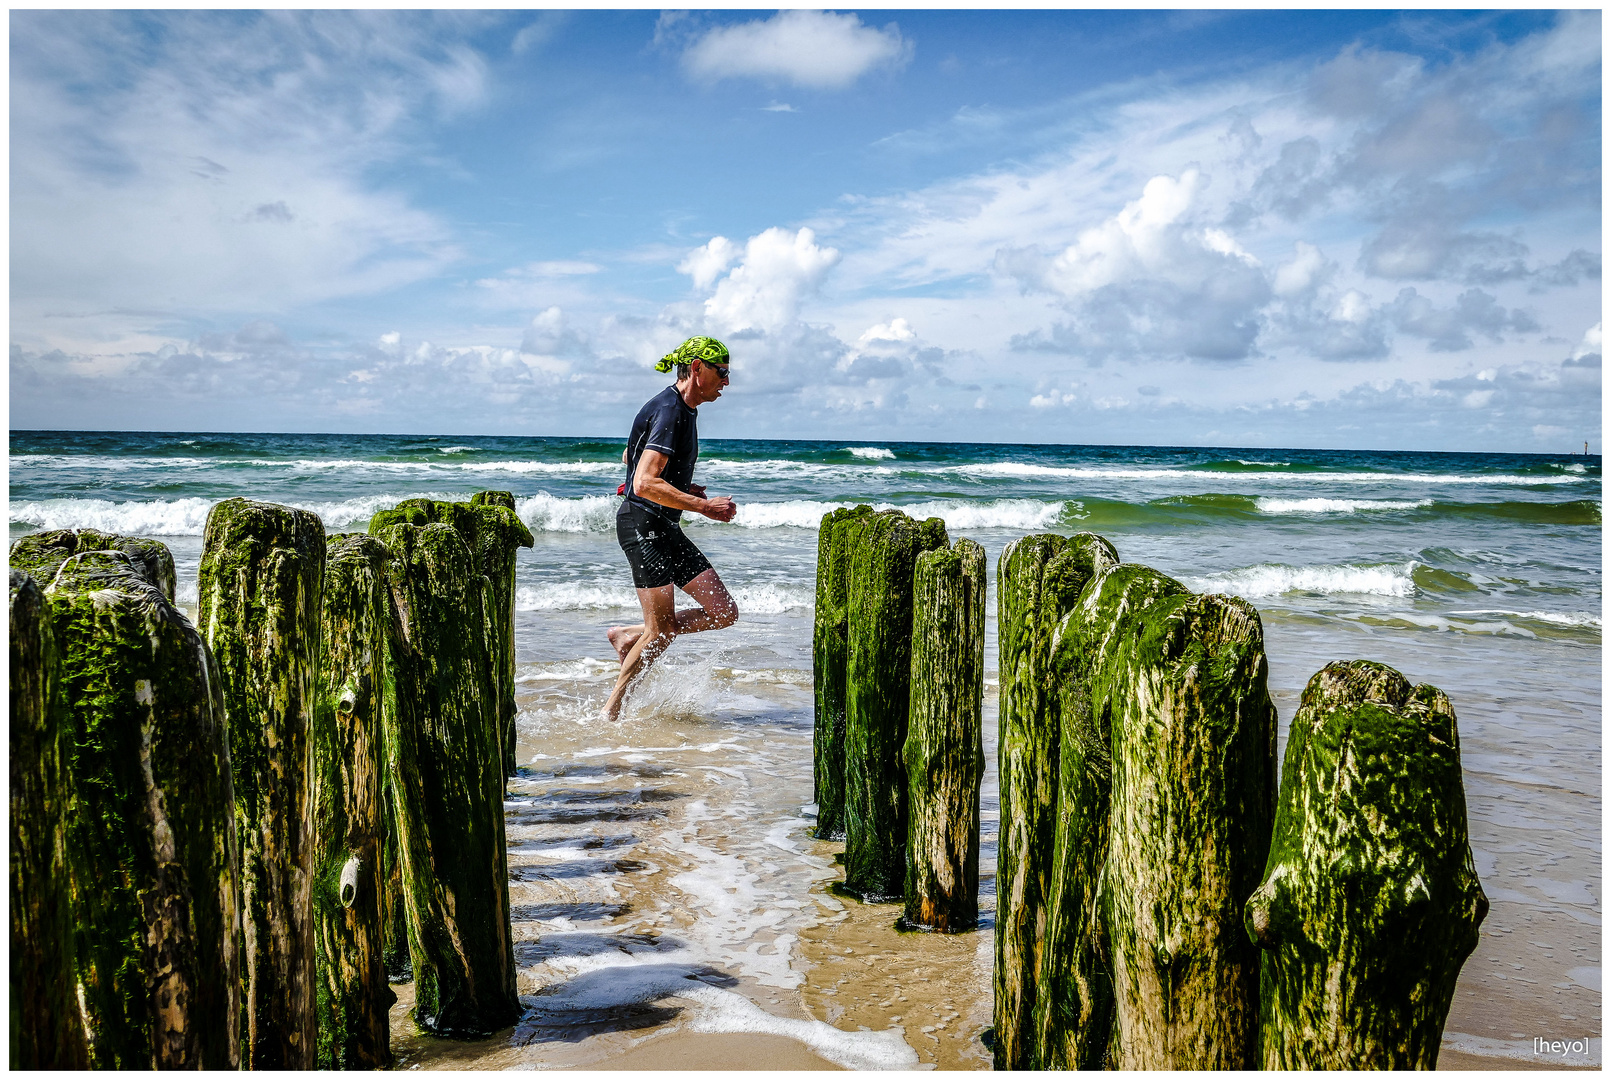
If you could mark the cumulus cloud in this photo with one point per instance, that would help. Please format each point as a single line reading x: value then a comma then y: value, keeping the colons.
x: 1152, y: 279
x: 763, y: 292
x: 814, y: 49
x: 707, y: 263
x: 1449, y: 329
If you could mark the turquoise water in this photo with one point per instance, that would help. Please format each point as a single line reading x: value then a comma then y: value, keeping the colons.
x: 1479, y: 573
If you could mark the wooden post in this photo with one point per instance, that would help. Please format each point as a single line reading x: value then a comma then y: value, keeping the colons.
x: 944, y: 749
x: 349, y: 819
x: 150, y: 853
x: 1370, y: 902
x: 445, y: 784
x: 42, y: 554
x: 501, y: 532
x: 1035, y: 587
x: 883, y: 555
x: 829, y: 656
x: 1074, y: 994
x: 261, y: 583
x: 1182, y: 683
x: 47, y: 1030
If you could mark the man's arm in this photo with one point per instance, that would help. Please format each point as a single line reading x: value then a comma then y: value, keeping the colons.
x: 648, y: 484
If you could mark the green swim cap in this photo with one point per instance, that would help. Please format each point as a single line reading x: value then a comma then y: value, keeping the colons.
x: 695, y: 348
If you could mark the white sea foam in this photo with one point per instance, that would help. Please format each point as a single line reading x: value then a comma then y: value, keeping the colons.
x: 871, y: 453
x: 956, y: 513
x: 725, y: 1011
x: 584, y: 513
x: 753, y: 599
x: 1559, y: 618
x: 1027, y: 470
x: 1335, y: 506
x: 186, y: 517
x: 456, y: 449
x: 1254, y: 582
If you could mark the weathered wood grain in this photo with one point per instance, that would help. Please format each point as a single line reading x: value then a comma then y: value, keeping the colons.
x: 1370, y: 902
x: 944, y: 749
x: 151, y: 846
x: 349, y: 818
x: 261, y: 582
x: 878, y: 675
x: 1035, y: 587
x: 830, y: 655
x: 47, y: 1029
x: 1182, y: 682
x: 445, y: 784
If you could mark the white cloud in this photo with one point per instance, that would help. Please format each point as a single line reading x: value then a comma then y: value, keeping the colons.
x: 1590, y: 345
x: 707, y: 263
x: 894, y: 330
x: 1151, y: 279
x: 763, y: 292
x: 814, y: 49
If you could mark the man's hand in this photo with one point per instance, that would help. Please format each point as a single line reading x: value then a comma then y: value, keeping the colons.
x: 721, y: 508
x: 695, y: 489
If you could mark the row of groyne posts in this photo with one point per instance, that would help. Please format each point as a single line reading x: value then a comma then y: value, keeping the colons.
x: 1159, y: 905
x: 226, y: 836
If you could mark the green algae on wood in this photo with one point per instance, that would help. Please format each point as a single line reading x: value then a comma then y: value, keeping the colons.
x: 1180, y: 682
x: 1074, y: 1002
x: 349, y: 818
x: 261, y: 582
x: 1038, y: 579
x: 878, y: 675
x: 1370, y: 902
x: 501, y: 532
x: 944, y: 749
x: 47, y: 1030
x: 829, y: 656
x: 41, y: 554
x: 151, y: 833
x: 445, y: 784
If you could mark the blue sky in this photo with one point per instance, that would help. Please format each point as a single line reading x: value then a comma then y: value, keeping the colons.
x: 1335, y: 229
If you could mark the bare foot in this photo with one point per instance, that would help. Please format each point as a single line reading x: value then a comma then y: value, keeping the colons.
x: 622, y: 638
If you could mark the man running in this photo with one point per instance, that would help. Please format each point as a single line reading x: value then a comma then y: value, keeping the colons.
x: 660, y: 456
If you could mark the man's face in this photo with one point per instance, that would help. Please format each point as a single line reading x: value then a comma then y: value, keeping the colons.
x: 709, y: 378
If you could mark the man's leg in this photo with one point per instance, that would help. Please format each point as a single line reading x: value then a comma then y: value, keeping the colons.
x: 659, y: 629
x: 716, y: 611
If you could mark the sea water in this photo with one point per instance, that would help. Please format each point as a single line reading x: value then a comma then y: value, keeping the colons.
x: 663, y: 875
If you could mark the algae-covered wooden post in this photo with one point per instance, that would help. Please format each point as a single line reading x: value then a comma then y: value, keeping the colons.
x: 1181, y: 682
x: 349, y: 819
x: 150, y: 848
x: 445, y: 783
x: 47, y: 1030
x: 41, y: 554
x: 878, y: 676
x: 1035, y: 586
x: 1074, y: 997
x: 260, y: 587
x: 501, y: 533
x: 829, y: 656
x: 944, y: 750
x: 1370, y: 902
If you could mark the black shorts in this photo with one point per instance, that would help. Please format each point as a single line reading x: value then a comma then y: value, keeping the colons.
x: 657, y: 550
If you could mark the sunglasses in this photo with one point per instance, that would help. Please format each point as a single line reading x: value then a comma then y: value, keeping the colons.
x: 720, y: 369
